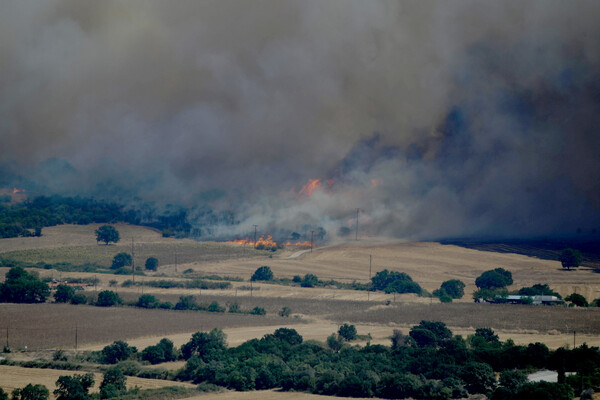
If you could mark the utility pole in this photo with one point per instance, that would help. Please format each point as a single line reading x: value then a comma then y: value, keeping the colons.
x: 132, y: 261
x: 255, y: 226
x: 7, y: 337
x: 574, y: 333
x: 76, y: 337
x: 370, y: 264
x: 311, y: 240
x: 175, y: 255
x: 357, y: 223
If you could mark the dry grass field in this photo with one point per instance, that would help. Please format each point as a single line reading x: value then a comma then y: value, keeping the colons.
x: 319, y: 309
x: 17, y: 377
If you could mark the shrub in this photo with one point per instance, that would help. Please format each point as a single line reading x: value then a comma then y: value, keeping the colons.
x: 108, y: 298
x: 285, y: 312
x: 78, y: 298
x: 309, y: 280
x: 186, y: 303
x: 258, y: 311
x: 31, y: 392
x: 263, y: 273
x: 215, y: 307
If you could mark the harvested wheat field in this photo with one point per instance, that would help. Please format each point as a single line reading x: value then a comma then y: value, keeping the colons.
x: 17, y: 377
x: 263, y: 395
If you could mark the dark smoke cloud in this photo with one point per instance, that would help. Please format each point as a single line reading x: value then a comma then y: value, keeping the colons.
x: 436, y: 119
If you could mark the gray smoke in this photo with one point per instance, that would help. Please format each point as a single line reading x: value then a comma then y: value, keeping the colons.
x: 435, y: 118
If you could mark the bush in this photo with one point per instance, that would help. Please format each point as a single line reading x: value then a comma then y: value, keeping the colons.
x: 121, y: 260
x: 186, y: 303
x: 151, y: 264
x: 215, y: 307
x: 496, y: 278
x: 309, y: 280
x: 258, y: 311
x: 78, y: 298
x: 285, y: 312
x: 263, y: 273
x: 108, y: 298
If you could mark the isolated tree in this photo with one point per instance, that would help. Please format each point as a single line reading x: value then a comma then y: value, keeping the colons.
x: 147, y: 301
x: 577, y: 299
x: 570, y: 258
x: 63, y: 294
x: 121, y: 260
x: 108, y: 298
x: 74, y: 387
x: 151, y: 263
x: 494, y: 279
x: 107, y: 234
x: 263, y: 273
x: 348, y: 332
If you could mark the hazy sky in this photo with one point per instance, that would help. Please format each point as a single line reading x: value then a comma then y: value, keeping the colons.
x: 436, y: 118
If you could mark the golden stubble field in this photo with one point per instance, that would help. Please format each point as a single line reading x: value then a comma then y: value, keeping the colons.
x: 319, y: 310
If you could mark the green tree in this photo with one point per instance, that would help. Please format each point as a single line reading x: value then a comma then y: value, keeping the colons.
x: 577, y: 299
x: 107, y: 234
x: 121, y: 260
x: 395, y: 282
x: 263, y: 273
x: 288, y: 335
x: 454, y: 288
x: 22, y: 287
x: 74, y: 387
x: 118, y: 351
x: 478, y: 377
x: 63, y: 294
x: 31, y: 392
x: 164, y: 351
x: 570, y: 258
x: 108, y: 298
x: 512, y: 379
x: 347, y: 332
x: 203, y: 344
x: 335, y: 342
x: 151, y: 263
x: 113, y: 383
x: 493, y: 279
x: 78, y: 298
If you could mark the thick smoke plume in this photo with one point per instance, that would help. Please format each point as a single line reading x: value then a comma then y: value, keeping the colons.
x: 436, y: 119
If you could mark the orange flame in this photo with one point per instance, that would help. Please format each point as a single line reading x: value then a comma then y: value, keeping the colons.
x: 308, y: 189
x: 267, y: 242
x: 15, y: 190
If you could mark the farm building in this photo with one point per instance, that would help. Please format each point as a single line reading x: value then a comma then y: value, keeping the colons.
x: 518, y: 299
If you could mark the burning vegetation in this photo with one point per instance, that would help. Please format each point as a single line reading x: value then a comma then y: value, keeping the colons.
x: 267, y: 243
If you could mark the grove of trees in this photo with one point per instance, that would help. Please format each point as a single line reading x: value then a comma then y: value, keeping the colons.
x: 21, y: 286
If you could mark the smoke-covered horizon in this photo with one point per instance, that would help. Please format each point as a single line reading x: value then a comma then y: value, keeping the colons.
x: 436, y: 119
